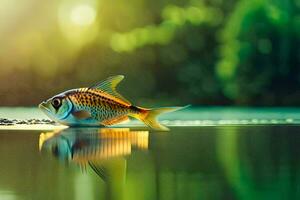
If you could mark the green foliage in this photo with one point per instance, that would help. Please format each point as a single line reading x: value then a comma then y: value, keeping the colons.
x: 174, y: 17
x: 197, y: 52
x: 259, y: 54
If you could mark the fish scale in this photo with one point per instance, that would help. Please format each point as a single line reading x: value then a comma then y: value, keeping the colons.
x: 101, y: 107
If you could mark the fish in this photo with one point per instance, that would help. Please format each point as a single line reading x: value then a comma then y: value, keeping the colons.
x: 100, y: 105
x: 84, y: 145
x: 94, y: 147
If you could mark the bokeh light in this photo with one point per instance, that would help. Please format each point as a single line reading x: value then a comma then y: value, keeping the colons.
x: 78, y: 22
x: 83, y: 15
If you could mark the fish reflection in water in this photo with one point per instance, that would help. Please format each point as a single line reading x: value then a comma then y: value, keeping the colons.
x: 99, y: 148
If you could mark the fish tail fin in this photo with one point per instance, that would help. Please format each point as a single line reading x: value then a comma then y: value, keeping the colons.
x: 149, y: 116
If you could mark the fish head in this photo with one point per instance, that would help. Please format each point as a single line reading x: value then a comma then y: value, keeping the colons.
x: 58, y: 107
x: 56, y: 143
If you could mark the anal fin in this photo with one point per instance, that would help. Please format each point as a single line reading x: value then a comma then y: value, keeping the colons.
x: 115, y: 120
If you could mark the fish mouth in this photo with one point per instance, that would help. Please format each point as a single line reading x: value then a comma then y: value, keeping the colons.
x: 43, y: 107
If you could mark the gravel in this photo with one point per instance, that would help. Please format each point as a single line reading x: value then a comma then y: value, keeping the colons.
x: 11, y: 122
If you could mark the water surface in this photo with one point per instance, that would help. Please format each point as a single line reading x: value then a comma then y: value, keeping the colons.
x: 191, y: 162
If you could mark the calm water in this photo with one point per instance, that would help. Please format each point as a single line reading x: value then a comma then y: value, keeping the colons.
x: 215, y: 162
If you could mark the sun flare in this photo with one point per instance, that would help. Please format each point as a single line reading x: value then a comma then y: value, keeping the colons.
x: 83, y: 15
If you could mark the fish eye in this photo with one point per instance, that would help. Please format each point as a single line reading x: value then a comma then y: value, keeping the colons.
x: 56, y: 103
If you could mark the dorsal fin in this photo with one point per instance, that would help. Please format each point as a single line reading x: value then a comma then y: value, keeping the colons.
x: 109, y: 86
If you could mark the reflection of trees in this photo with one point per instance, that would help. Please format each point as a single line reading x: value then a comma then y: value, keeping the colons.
x: 260, y: 162
x: 185, y: 166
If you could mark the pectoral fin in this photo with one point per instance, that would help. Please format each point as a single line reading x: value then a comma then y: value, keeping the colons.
x: 82, y: 114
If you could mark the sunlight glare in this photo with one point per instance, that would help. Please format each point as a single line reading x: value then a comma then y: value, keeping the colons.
x: 83, y: 15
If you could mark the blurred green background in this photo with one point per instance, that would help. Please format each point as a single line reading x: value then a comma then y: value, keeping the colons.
x: 209, y: 52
